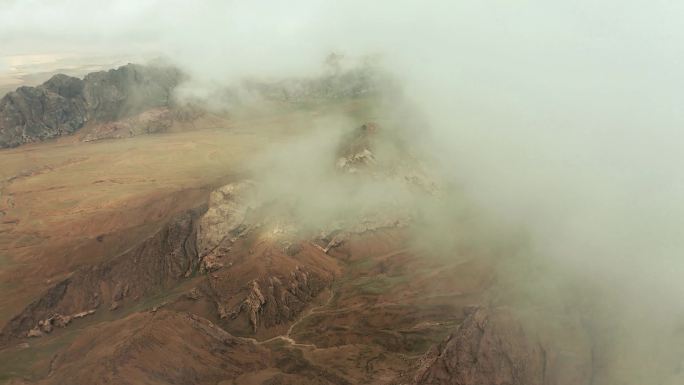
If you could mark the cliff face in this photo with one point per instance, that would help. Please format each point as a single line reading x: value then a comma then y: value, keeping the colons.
x: 64, y: 104
x: 128, y: 90
x: 53, y: 109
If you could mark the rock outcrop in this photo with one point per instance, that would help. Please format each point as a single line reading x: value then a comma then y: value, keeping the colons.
x: 280, y: 273
x: 32, y: 114
x: 56, y: 320
x: 224, y: 221
x: 488, y: 348
x: 128, y: 90
x: 148, y: 122
x: 353, y: 83
x: 64, y: 104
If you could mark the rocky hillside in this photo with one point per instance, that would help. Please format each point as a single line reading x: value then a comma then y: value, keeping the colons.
x: 241, y: 290
x: 64, y: 104
x: 158, y: 263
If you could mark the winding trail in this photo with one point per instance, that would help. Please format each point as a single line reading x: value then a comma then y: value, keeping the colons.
x: 317, y: 309
x: 286, y: 337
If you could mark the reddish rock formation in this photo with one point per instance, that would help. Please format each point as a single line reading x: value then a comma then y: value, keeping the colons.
x: 274, y: 287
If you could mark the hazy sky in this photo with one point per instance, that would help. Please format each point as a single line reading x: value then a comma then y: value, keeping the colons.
x: 562, y: 116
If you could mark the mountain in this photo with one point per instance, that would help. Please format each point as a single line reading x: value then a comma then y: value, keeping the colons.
x: 311, y: 244
x: 136, y: 99
x: 64, y: 104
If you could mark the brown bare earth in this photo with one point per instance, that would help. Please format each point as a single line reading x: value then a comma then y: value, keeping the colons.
x: 64, y: 203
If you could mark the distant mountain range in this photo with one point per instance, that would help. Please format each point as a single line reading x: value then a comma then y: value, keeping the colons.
x: 64, y: 104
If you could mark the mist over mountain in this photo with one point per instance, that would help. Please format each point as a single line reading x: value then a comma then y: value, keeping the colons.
x: 327, y: 193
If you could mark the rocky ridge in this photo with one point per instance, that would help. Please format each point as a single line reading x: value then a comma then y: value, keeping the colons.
x: 135, y: 99
x: 64, y: 104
